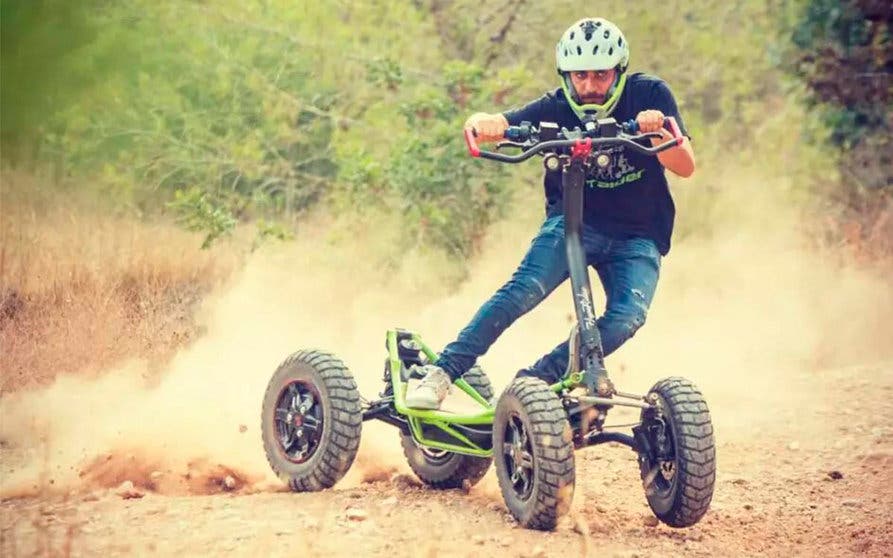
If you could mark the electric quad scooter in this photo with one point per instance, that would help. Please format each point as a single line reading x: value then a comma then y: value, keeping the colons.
x: 312, y: 412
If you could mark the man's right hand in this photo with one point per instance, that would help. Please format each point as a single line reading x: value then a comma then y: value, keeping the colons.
x: 487, y: 127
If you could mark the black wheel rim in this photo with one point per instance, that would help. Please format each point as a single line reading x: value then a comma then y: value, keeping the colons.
x: 661, y: 467
x: 517, y: 455
x: 298, y: 421
x: 434, y: 456
x: 664, y: 482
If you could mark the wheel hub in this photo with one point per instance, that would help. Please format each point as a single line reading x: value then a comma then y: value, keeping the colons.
x: 298, y: 421
x: 659, y: 466
x: 433, y: 454
x: 668, y: 469
x: 518, y: 457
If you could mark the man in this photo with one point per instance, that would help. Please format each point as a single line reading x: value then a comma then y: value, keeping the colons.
x: 627, y: 217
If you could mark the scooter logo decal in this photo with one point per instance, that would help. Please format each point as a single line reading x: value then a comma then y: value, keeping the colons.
x: 616, y: 173
x: 585, y: 302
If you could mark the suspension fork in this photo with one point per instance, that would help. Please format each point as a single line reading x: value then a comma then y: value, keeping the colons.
x: 591, y: 353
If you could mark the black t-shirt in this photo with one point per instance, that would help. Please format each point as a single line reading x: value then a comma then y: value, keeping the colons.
x: 630, y: 198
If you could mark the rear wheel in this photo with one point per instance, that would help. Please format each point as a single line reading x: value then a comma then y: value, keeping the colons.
x: 679, y: 470
x: 444, y: 469
x: 311, y: 421
x: 534, y: 452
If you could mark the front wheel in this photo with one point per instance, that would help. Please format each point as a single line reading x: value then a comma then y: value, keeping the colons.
x: 679, y: 467
x: 534, y: 453
x: 311, y: 421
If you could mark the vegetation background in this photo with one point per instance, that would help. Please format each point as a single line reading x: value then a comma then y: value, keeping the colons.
x: 149, y: 148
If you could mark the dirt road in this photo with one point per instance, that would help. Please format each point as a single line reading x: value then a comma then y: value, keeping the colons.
x: 814, y: 479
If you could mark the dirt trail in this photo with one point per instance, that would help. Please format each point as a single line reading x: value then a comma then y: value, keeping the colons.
x: 790, y: 347
x: 815, y: 481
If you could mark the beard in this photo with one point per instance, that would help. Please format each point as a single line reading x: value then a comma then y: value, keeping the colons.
x: 593, y: 99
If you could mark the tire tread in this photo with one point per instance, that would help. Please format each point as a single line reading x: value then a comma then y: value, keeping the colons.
x: 553, y: 455
x: 695, y: 444
x: 345, y: 417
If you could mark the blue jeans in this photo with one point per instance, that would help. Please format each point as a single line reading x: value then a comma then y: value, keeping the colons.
x: 628, y: 270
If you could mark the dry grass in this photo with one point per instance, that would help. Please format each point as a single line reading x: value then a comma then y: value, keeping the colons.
x: 81, y: 288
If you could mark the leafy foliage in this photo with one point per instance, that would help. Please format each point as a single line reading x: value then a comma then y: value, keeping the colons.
x: 228, y: 111
x: 41, y: 71
x: 197, y: 213
x: 844, y: 53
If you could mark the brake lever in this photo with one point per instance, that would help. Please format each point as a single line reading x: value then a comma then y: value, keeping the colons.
x: 521, y: 146
x: 646, y: 135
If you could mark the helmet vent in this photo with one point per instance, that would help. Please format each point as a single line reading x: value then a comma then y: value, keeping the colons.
x: 590, y: 43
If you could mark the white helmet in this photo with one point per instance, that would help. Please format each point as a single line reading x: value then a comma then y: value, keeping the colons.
x: 592, y: 44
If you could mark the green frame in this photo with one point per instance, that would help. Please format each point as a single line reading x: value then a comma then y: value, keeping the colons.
x: 439, y: 419
x: 443, y: 419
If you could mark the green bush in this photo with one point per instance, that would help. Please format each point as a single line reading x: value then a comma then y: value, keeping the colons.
x: 258, y: 112
x: 843, y: 51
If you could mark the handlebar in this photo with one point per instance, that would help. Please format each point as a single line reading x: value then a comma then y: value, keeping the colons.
x: 623, y: 136
x: 472, y: 143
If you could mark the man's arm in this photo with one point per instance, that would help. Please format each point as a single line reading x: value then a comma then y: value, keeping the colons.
x: 680, y: 159
x: 491, y: 127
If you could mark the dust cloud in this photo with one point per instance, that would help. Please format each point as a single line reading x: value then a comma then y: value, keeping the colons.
x: 739, y: 309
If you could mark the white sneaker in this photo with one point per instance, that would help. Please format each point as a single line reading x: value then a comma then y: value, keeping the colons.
x: 430, y: 392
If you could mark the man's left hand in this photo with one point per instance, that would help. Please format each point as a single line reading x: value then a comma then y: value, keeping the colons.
x: 678, y: 159
x: 650, y: 121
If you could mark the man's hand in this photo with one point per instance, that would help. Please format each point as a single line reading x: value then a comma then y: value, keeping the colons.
x: 650, y: 121
x: 680, y: 160
x: 487, y: 127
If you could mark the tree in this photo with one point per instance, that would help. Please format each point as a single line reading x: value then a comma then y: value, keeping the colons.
x: 844, y: 53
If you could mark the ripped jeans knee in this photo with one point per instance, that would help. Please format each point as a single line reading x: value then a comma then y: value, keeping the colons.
x: 616, y: 329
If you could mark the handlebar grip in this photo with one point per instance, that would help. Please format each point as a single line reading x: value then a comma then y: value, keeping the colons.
x: 518, y: 133
x: 674, y: 129
x: 632, y: 127
x: 472, y: 143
